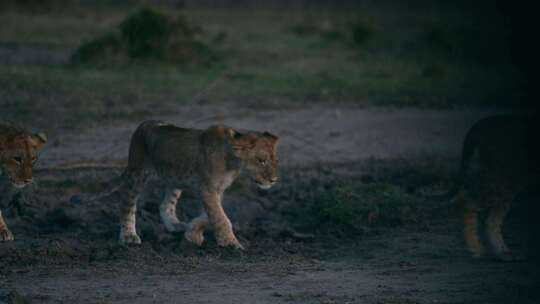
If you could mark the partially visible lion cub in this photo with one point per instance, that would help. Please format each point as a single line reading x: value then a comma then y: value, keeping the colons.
x: 18, y: 153
x: 209, y: 159
x: 508, y: 163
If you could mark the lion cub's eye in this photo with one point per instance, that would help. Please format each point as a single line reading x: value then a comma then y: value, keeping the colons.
x: 18, y: 160
x: 262, y: 161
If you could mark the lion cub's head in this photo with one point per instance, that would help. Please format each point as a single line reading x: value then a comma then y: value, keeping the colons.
x: 18, y: 153
x: 259, y: 154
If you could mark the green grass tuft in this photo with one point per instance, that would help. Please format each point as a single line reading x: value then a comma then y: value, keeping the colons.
x: 348, y: 208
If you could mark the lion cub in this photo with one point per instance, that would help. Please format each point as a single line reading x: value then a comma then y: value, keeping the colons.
x: 18, y: 153
x: 508, y: 163
x: 210, y: 160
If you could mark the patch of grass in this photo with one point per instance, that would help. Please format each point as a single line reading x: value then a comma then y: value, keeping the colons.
x: 435, y: 71
x: 327, y: 30
x: 396, y: 300
x: 349, y: 208
x: 107, y: 94
x: 333, y: 35
x: 29, y: 5
x: 148, y: 36
x: 105, y: 49
x: 357, y: 32
x: 310, y: 297
x: 355, y: 206
x: 311, y: 58
x: 304, y: 29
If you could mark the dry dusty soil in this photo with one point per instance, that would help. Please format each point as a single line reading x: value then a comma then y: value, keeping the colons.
x: 66, y: 251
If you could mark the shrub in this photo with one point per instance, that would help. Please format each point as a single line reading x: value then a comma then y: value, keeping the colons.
x: 148, y: 36
x: 105, y: 49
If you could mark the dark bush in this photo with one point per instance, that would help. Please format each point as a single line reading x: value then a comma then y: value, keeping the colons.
x: 105, y: 49
x: 148, y: 36
x: 476, y: 44
x: 361, y: 32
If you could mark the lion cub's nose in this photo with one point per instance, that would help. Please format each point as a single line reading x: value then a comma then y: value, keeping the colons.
x: 274, y: 179
x: 28, y: 180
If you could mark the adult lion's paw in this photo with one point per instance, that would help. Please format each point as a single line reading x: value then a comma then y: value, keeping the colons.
x: 196, y: 237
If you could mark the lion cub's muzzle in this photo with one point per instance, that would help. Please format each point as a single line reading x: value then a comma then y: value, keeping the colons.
x: 21, y: 184
x: 267, y: 184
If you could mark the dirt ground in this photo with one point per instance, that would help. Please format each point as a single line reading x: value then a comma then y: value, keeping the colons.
x: 59, y: 257
x: 309, y: 135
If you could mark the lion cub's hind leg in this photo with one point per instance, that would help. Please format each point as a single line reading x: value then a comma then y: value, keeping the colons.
x: 195, y: 229
x: 493, y: 226
x: 5, y: 234
x: 127, y: 195
x: 167, y: 210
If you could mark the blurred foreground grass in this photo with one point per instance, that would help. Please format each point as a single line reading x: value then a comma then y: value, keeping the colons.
x: 376, y: 54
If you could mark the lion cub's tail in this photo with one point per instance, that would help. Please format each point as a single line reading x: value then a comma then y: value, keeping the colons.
x: 134, y: 173
x: 138, y: 149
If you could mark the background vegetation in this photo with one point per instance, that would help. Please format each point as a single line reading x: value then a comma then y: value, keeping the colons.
x: 426, y: 54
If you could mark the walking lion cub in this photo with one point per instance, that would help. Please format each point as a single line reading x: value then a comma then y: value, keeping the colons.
x: 508, y: 163
x: 209, y: 160
x: 18, y: 153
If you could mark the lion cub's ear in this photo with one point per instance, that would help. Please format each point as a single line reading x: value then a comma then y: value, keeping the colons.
x: 240, y: 141
x: 270, y: 135
x: 233, y: 134
x: 38, y: 140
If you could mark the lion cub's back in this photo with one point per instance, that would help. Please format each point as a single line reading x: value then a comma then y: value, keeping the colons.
x: 173, y: 147
x: 508, y: 146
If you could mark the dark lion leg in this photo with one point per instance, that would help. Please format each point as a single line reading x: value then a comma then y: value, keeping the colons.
x: 471, y: 233
x: 494, y: 222
x: 133, y: 180
x: 219, y: 220
x: 167, y: 210
x: 5, y: 234
x: 127, y: 195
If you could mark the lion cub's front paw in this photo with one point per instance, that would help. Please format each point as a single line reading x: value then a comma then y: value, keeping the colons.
x: 131, y: 238
x: 176, y: 227
x: 6, y: 235
x: 196, y: 237
x: 230, y: 242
